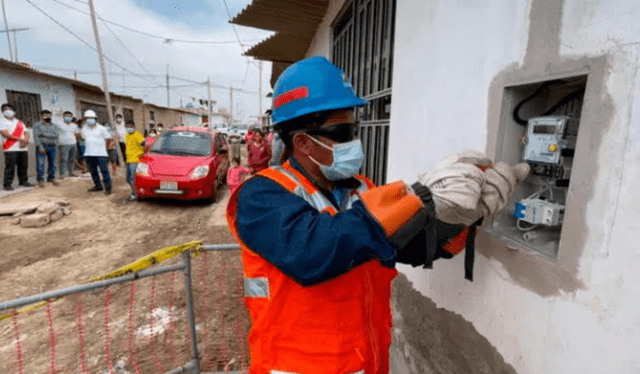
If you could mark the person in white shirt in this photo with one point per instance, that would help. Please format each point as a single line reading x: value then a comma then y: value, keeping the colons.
x: 95, y: 153
x: 15, y: 138
x: 67, y: 144
x: 121, y: 132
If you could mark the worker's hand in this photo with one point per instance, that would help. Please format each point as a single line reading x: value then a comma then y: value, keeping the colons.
x: 24, y: 142
x: 41, y: 150
x: 500, y: 182
x: 456, y: 188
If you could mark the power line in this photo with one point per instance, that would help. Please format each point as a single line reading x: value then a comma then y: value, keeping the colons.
x: 84, y: 42
x: 126, y: 48
x: 233, y: 26
x: 164, y: 38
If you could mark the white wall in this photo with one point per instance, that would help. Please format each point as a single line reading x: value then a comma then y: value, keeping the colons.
x: 446, y: 56
x: 54, y: 95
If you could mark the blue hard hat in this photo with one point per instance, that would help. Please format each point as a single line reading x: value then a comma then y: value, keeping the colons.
x: 311, y: 85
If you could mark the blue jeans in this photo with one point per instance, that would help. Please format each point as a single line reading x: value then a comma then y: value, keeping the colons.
x: 67, y: 158
x: 131, y: 175
x: 95, y: 162
x: 50, y: 154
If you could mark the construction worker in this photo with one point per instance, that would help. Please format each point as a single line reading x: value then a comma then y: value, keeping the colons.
x: 319, y: 242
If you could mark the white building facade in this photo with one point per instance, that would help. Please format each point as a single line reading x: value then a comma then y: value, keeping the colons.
x: 458, y: 71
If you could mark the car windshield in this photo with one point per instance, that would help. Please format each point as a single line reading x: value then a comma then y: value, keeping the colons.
x: 183, y: 143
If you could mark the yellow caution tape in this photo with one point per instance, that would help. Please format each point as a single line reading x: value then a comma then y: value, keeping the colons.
x: 156, y: 257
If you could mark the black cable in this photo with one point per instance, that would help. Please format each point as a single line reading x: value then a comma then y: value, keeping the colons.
x: 164, y: 38
x: 86, y: 43
x: 543, y: 86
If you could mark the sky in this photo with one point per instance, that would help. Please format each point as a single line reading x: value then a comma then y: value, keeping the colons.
x: 171, y: 28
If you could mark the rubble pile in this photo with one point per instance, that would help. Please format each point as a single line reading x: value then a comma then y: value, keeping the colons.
x: 37, y: 214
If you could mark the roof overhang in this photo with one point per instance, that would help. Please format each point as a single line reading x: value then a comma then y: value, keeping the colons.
x: 295, y: 23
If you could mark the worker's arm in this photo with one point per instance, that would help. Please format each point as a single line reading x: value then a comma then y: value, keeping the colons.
x: 309, y: 246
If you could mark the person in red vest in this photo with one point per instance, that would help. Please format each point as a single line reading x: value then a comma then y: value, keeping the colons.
x: 320, y: 242
x: 15, y: 138
x: 259, y: 152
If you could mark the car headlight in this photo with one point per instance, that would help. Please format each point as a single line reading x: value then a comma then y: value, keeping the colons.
x: 200, y: 172
x: 142, y: 169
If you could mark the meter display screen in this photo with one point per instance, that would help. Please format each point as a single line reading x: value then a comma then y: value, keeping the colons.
x: 544, y: 129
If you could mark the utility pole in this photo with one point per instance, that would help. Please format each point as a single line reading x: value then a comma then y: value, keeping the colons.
x: 15, y: 39
x: 168, y: 95
x: 260, y: 92
x: 209, y: 103
x: 6, y: 26
x: 105, y: 84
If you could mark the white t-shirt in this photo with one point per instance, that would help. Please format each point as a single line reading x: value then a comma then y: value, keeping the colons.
x: 10, y: 126
x: 94, y: 140
x: 122, y: 132
x: 67, y: 133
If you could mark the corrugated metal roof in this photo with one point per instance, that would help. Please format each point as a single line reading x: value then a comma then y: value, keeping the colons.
x: 282, y: 15
x: 295, y: 23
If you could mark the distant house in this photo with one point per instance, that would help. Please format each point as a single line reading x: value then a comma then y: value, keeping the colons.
x: 172, y: 116
x: 445, y: 76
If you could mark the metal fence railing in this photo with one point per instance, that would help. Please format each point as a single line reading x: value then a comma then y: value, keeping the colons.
x: 131, y: 354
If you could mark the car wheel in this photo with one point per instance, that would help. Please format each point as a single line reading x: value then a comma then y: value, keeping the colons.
x: 139, y: 198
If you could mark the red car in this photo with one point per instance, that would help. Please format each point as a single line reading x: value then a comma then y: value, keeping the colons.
x: 184, y: 163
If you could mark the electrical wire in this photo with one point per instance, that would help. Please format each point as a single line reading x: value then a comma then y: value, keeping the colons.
x: 164, y: 38
x: 86, y: 43
x: 126, y: 48
x: 233, y: 26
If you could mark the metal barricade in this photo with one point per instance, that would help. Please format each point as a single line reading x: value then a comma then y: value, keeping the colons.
x: 193, y: 366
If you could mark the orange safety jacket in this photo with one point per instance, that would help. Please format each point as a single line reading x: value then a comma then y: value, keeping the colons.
x: 339, y: 326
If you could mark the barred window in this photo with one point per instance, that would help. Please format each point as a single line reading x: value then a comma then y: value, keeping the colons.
x: 363, y: 48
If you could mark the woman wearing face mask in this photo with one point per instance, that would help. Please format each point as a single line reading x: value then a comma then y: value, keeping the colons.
x: 259, y: 152
x: 150, y: 139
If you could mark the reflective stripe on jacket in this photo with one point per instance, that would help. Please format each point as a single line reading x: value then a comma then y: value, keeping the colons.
x: 338, y: 326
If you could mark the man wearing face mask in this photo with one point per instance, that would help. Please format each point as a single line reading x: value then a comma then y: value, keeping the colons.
x: 67, y: 144
x: 45, y: 134
x: 96, y: 157
x: 319, y: 242
x: 15, y: 138
x: 122, y: 134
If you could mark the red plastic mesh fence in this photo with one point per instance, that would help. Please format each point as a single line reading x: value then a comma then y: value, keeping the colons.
x: 136, y: 327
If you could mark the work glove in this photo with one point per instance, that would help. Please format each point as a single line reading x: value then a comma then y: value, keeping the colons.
x: 456, y: 186
x: 468, y: 186
x: 500, y: 182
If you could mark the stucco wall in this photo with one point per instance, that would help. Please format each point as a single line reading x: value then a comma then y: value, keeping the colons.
x: 55, y: 95
x: 321, y: 44
x: 452, y: 62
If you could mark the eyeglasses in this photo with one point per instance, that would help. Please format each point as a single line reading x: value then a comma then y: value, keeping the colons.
x: 341, y: 133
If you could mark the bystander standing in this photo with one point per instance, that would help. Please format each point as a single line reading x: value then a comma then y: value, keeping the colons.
x: 15, y: 136
x: 96, y: 137
x: 67, y: 144
x: 134, y: 149
x: 45, y: 135
x: 259, y: 152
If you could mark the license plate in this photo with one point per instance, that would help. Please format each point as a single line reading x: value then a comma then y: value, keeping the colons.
x: 169, y: 185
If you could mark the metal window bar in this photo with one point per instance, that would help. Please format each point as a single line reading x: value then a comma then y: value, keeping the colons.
x: 193, y: 366
x: 362, y: 46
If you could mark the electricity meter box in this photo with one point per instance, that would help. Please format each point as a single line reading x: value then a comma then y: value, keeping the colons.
x: 546, y: 140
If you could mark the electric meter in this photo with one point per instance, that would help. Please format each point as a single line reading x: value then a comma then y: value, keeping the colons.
x: 546, y: 140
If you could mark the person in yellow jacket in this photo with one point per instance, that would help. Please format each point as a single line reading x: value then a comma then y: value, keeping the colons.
x: 134, y: 148
x: 319, y: 242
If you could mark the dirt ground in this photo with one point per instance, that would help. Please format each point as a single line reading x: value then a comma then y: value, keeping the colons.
x: 101, y: 234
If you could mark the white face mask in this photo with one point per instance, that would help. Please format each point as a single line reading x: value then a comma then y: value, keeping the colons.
x: 9, y: 113
x: 347, y: 159
x: 130, y: 130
